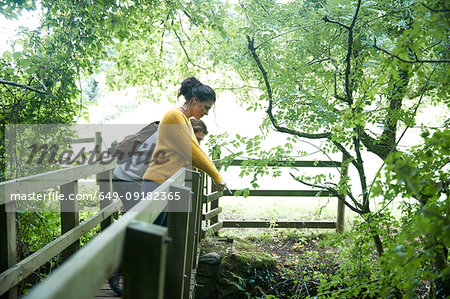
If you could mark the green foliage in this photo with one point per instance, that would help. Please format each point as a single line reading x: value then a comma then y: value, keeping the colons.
x: 353, y: 73
x: 40, y: 74
x: 350, y: 73
x: 414, y: 258
x: 419, y: 252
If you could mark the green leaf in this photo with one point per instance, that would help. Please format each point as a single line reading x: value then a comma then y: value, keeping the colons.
x: 25, y: 63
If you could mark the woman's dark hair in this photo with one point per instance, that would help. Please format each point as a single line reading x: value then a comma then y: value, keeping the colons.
x: 193, y: 88
x: 199, y: 126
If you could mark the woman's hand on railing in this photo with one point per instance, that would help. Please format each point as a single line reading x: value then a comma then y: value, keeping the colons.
x: 222, y: 186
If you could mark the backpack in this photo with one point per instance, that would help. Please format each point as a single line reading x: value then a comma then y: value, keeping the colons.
x: 133, y: 142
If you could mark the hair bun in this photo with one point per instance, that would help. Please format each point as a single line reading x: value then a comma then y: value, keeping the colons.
x: 187, y: 85
x: 191, y: 87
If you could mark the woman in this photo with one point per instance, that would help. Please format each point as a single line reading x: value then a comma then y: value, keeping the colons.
x: 177, y: 146
x: 129, y: 171
x: 128, y: 180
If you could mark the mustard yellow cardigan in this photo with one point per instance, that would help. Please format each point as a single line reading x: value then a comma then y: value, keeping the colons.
x: 176, y: 147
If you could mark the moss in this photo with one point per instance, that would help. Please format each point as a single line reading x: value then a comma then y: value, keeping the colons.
x: 219, y: 245
x: 241, y: 261
x: 246, y: 253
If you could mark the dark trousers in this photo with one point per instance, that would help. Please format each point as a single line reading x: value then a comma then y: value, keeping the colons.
x: 149, y: 186
x: 129, y: 192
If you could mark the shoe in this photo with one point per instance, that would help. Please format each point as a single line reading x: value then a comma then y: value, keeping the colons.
x: 114, y: 283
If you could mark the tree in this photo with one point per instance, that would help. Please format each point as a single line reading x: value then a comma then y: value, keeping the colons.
x: 39, y: 81
x: 351, y: 73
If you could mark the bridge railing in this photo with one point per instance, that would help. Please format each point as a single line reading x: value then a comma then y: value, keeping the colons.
x: 153, y: 265
x: 129, y: 237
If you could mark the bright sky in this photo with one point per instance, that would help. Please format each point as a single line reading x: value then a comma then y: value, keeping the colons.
x: 9, y: 28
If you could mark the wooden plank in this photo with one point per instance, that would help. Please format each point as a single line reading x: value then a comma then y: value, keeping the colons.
x: 81, y: 276
x: 214, y: 228
x: 104, y: 180
x: 292, y: 193
x: 40, y: 182
x: 198, y: 227
x: 214, y: 205
x: 70, y: 217
x: 239, y: 162
x: 278, y: 224
x: 21, y: 270
x: 192, y: 223
x: 213, y: 196
x: 212, y: 213
x: 176, y: 252
x: 83, y: 140
x: 144, y: 260
x: 8, y: 250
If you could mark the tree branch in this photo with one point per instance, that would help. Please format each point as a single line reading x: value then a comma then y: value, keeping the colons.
x: 381, y: 149
x: 251, y: 47
x: 326, y: 19
x: 317, y: 61
x: 344, y: 151
x: 287, y: 32
x: 185, y: 52
x: 361, y: 172
x: 349, y: 194
x: 435, y: 10
x: 23, y: 86
x: 349, y: 56
x: 335, y: 80
x: 332, y: 190
x: 409, y: 61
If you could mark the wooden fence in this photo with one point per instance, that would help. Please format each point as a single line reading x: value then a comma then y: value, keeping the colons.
x: 14, y: 272
x: 141, y: 246
x: 157, y: 261
x: 152, y: 265
x: 213, y: 207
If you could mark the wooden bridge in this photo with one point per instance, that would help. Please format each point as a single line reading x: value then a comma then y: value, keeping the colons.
x: 157, y: 262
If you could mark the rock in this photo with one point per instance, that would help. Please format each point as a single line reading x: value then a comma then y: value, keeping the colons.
x: 232, y: 268
x: 210, y: 258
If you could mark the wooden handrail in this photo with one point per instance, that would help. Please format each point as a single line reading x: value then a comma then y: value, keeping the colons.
x: 84, y: 272
x: 22, y: 269
x: 44, y: 181
x: 72, y: 230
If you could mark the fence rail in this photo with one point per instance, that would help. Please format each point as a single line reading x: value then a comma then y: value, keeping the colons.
x: 213, y: 210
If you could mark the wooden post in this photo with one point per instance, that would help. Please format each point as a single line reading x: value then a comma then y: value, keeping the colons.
x: 8, y: 236
x: 192, y: 181
x: 70, y: 216
x: 198, y: 227
x: 144, y: 260
x: 104, y: 180
x: 340, y: 221
x: 176, y: 251
x: 215, y: 204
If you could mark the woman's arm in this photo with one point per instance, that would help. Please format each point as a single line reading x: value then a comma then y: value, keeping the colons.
x: 202, y: 161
